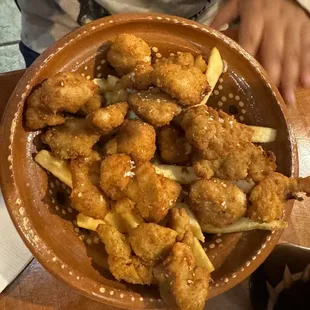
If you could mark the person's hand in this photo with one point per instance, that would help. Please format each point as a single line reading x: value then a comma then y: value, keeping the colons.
x: 277, y: 30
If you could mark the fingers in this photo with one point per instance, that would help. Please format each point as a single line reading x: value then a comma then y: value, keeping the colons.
x: 290, y: 66
x: 226, y: 14
x: 305, y: 55
x: 251, y: 26
x: 251, y: 32
x: 271, y: 50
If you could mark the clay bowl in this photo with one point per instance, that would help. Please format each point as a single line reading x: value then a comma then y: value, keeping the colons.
x: 39, y: 204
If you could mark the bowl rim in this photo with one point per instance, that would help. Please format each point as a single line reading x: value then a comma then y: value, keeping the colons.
x: 41, y: 251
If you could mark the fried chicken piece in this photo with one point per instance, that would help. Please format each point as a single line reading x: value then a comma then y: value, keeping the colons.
x: 93, y: 104
x: 151, y: 242
x: 132, y: 270
x: 268, y: 197
x: 124, y: 205
x: 186, y: 84
x: 122, y: 264
x: 70, y: 140
x: 217, y: 202
x: 173, y: 146
x: 67, y: 91
x: 110, y: 147
x: 126, y: 51
x: 86, y: 196
x: 206, y: 128
x: 262, y: 164
x: 110, y: 117
x: 153, y: 194
x: 224, y: 146
x: 179, y: 222
x: 182, y: 284
x: 181, y: 58
x: 115, y: 174
x: 154, y: 107
x: 200, y: 63
x: 203, y: 168
x: 139, y: 78
x: 137, y: 139
x: 39, y: 116
x: 142, y: 75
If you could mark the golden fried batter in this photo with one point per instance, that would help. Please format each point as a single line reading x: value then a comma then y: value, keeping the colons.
x: 116, y: 244
x: 182, y: 284
x: 213, y: 132
x: 200, y: 63
x: 115, y: 174
x: 110, y: 147
x: 122, y: 264
x: 268, y: 197
x: 126, y: 51
x: 137, y: 139
x: 70, y: 140
x: 173, y: 146
x: 86, y: 197
x: 132, y: 270
x: 39, y: 116
x: 186, y: 84
x: 142, y: 75
x: 217, y: 202
x: 224, y: 146
x: 151, y: 242
x: 204, y: 168
x: 154, y: 107
x: 181, y: 58
x: 110, y: 117
x: 179, y: 222
x: 262, y: 164
x: 139, y: 78
x: 153, y: 194
x: 93, y: 104
x: 67, y: 91
x: 124, y: 205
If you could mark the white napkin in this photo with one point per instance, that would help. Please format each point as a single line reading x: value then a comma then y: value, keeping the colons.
x: 14, y: 255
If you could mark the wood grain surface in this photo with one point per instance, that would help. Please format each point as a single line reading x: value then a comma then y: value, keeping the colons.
x: 36, y: 289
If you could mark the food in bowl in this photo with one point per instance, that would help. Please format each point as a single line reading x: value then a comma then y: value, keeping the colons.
x: 152, y: 167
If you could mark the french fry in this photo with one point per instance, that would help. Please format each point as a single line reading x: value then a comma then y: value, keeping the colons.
x: 88, y: 222
x: 214, y: 71
x: 116, y: 221
x: 180, y: 174
x: 244, y: 224
x: 106, y: 85
x: 196, y: 229
x: 187, y: 175
x: 201, y: 257
x: 58, y: 167
x: 263, y: 134
x: 131, y: 220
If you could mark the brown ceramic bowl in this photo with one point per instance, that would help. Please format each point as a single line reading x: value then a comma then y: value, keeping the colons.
x: 39, y: 204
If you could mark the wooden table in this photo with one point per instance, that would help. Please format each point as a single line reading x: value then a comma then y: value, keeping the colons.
x: 36, y: 289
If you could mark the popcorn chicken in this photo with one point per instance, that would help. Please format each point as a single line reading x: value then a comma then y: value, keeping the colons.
x: 154, y: 107
x: 70, y: 140
x: 137, y: 139
x: 217, y: 202
x: 126, y: 52
x: 110, y: 117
